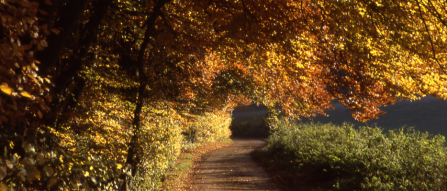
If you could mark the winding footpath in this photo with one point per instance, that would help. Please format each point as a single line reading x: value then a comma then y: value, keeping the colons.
x: 232, y: 168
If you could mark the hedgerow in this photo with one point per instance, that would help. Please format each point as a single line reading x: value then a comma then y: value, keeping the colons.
x: 363, y: 158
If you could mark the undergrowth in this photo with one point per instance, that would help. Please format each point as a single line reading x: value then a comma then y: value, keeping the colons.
x: 363, y: 158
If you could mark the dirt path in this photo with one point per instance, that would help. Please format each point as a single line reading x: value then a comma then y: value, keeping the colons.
x: 231, y: 168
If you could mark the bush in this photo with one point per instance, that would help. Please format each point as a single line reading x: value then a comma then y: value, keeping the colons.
x: 364, y: 158
x: 208, y: 128
x: 160, y: 145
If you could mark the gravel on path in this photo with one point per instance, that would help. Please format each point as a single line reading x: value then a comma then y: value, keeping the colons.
x: 232, y: 168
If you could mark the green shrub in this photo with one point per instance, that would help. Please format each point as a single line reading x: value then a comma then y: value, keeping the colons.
x: 364, y: 158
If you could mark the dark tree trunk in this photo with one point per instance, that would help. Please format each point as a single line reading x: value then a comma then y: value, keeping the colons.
x: 132, y: 154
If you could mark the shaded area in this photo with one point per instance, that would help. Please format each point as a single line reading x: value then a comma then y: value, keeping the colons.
x: 232, y: 168
x: 249, y: 121
x: 426, y: 115
x: 290, y: 178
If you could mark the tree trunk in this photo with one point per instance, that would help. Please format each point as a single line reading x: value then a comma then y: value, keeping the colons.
x: 132, y: 154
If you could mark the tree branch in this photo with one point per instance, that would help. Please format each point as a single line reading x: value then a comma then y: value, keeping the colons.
x: 429, y: 37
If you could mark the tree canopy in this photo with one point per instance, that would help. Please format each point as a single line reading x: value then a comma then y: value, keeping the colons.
x: 60, y: 58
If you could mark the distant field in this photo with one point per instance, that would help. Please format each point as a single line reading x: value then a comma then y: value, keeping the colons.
x: 427, y: 115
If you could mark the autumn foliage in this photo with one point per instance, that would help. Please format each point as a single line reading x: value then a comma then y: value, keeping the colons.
x: 87, y: 85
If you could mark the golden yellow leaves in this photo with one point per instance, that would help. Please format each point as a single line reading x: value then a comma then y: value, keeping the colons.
x: 299, y: 65
x: 10, y: 91
x: 26, y: 94
x: 6, y: 89
x: 65, y: 139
